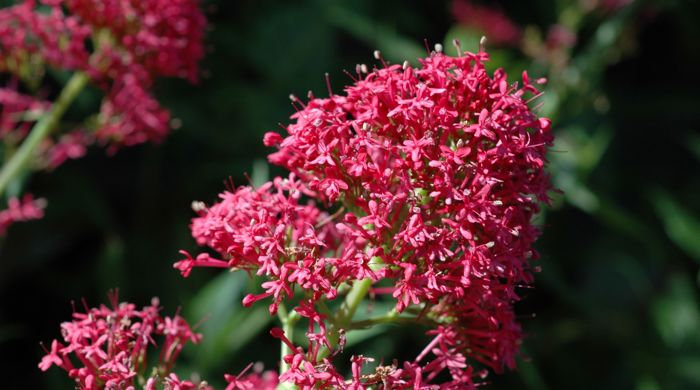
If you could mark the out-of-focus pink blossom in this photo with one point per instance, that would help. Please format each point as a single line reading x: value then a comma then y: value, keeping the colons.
x: 17, y: 113
x: 256, y: 380
x: 19, y: 210
x: 560, y: 37
x: 124, y: 45
x: 130, y: 115
x: 492, y: 22
x: 69, y: 146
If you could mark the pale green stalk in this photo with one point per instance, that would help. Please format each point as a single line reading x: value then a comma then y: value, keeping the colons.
x: 43, y: 127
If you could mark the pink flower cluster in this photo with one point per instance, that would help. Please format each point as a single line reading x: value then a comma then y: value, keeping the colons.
x: 17, y: 112
x: 18, y: 210
x: 431, y: 176
x: 124, y: 45
x: 106, y: 347
x: 29, y: 39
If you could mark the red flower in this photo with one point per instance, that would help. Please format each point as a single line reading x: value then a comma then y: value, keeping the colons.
x: 435, y: 173
x: 19, y: 210
x: 111, y: 345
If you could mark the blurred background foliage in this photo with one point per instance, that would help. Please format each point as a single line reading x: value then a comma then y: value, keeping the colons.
x: 616, y: 303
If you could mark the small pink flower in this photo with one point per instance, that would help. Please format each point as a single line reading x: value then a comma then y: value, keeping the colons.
x: 20, y: 210
x: 492, y: 22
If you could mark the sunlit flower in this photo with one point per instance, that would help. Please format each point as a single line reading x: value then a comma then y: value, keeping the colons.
x: 434, y: 174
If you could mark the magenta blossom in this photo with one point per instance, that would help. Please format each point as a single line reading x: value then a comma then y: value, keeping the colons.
x: 432, y: 176
x: 133, y: 43
x: 19, y: 210
x: 106, y: 347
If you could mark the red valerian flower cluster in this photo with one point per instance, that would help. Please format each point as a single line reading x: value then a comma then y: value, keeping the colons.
x: 106, y: 347
x: 432, y: 176
x: 121, y: 46
x: 124, y: 45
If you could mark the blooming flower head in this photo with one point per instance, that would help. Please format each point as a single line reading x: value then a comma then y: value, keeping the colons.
x: 106, y: 347
x: 431, y: 176
x: 124, y: 45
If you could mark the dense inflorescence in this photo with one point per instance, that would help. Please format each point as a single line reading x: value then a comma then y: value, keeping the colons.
x: 121, y: 46
x: 106, y: 347
x: 124, y: 45
x: 431, y: 176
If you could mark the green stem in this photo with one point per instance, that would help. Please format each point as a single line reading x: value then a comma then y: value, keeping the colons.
x: 288, y: 321
x: 345, y: 313
x: 391, y: 316
x: 41, y: 130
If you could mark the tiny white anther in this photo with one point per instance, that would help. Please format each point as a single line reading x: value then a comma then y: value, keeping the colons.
x: 497, y: 203
x: 198, y: 206
x: 363, y: 68
x: 438, y: 47
x: 490, y: 244
x: 406, y: 65
x: 460, y: 143
x: 482, y: 43
x: 292, y: 97
x: 377, y: 54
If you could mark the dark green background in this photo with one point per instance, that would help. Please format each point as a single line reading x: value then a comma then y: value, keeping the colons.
x: 616, y: 303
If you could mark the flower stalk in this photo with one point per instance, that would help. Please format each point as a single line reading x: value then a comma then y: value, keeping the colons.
x: 18, y: 162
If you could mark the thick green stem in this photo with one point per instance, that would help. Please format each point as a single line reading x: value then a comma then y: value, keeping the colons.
x: 288, y: 329
x: 288, y: 321
x: 347, y: 310
x: 41, y: 130
x: 391, y: 316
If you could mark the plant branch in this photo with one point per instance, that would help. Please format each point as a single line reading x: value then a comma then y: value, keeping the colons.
x: 18, y: 162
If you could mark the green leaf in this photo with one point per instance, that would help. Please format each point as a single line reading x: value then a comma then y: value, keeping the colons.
x: 681, y: 227
x: 676, y: 313
x: 393, y: 46
x: 226, y: 327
